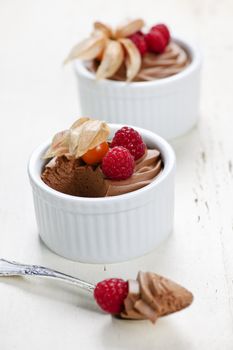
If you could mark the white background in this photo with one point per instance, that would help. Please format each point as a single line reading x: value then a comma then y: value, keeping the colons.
x: 37, y: 98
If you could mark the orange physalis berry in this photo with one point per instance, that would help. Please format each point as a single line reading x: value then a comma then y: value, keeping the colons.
x: 96, y: 154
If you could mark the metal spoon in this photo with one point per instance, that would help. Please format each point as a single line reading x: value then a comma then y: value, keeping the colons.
x: 12, y: 268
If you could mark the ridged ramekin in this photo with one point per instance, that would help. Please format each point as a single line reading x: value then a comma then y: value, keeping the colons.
x: 111, y: 229
x: 168, y: 106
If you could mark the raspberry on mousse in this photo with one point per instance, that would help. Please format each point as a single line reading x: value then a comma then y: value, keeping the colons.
x: 156, y: 42
x: 158, y: 38
x: 139, y: 40
x: 118, y: 164
x: 163, y: 29
x: 130, y: 139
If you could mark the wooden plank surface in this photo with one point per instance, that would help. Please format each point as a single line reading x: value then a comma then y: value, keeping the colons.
x: 38, y: 97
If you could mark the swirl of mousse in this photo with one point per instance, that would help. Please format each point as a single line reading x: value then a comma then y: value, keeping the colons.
x: 152, y: 296
x: 146, y: 169
x: 72, y: 176
x: 173, y: 60
x: 156, y: 66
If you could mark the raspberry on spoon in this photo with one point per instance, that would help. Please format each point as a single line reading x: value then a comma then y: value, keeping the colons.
x: 110, y: 294
x: 150, y: 296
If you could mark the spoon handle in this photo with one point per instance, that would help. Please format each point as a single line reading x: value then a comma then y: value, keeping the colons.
x: 12, y: 268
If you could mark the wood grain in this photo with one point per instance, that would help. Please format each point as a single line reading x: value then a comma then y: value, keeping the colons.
x: 37, y: 98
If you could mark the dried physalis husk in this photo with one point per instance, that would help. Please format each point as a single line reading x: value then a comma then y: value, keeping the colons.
x: 129, y: 28
x: 89, y: 48
x: 133, y: 59
x: 104, y: 28
x: 82, y: 136
x: 59, y: 145
x: 87, y: 135
x: 113, y: 57
x: 79, y: 122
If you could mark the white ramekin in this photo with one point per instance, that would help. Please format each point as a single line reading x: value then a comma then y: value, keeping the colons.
x: 168, y: 107
x: 105, y: 230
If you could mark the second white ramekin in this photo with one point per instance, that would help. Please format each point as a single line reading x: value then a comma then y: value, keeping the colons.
x: 168, y: 106
x: 105, y: 230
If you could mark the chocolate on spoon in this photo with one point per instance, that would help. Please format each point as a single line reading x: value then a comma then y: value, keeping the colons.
x: 148, y: 297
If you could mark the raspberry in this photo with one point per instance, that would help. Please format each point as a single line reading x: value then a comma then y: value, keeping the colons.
x: 118, y: 164
x: 139, y: 40
x: 156, y: 42
x: 110, y: 294
x: 163, y: 30
x: 130, y: 139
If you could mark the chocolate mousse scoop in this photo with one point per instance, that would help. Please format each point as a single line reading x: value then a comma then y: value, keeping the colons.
x: 74, y: 177
x: 152, y: 296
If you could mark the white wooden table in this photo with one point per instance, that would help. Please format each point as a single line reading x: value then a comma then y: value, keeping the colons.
x: 38, y: 97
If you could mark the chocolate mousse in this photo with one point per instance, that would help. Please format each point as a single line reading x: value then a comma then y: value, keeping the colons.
x: 152, y: 296
x: 82, y: 162
x: 146, y: 169
x: 148, y: 297
x: 157, y: 66
x: 74, y: 177
x: 129, y: 54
